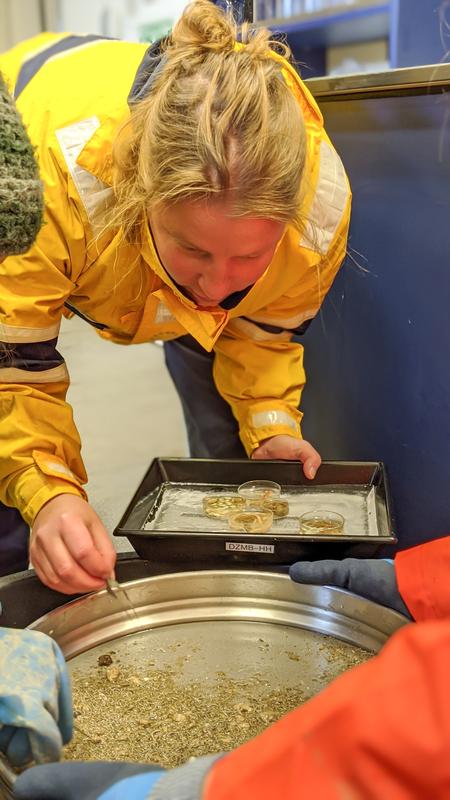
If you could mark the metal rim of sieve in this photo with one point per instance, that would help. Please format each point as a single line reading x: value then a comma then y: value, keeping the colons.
x: 232, y: 595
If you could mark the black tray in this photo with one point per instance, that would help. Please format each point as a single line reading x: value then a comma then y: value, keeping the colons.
x: 228, y: 547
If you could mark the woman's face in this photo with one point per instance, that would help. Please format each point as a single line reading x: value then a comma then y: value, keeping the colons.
x: 210, y: 254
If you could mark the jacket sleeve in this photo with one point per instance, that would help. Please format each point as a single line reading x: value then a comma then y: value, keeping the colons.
x: 380, y: 730
x: 39, y: 442
x: 423, y: 579
x: 258, y: 369
x: 262, y: 381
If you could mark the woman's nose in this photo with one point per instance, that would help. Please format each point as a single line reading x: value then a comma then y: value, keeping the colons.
x: 215, y: 280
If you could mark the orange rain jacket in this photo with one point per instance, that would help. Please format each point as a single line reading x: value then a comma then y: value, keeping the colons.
x: 379, y: 732
x: 72, y: 93
x: 382, y: 730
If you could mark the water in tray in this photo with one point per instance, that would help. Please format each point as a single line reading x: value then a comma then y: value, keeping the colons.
x: 179, y: 508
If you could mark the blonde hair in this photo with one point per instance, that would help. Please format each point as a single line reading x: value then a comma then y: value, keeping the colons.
x: 218, y: 121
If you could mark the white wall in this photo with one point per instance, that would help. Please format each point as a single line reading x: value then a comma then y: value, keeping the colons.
x: 19, y: 19
x: 125, y: 19
x: 122, y: 19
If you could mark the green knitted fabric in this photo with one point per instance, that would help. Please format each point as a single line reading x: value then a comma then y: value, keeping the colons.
x: 21, y: 198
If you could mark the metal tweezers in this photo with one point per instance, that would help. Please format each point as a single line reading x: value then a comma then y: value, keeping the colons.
x: 113, y: 587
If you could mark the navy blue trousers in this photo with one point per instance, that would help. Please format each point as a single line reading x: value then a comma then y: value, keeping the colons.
x: 211, y: 427
x: 14, y: 534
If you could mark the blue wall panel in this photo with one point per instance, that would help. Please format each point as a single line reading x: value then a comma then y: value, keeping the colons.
x: 420, y: 32
x: 378, y: 357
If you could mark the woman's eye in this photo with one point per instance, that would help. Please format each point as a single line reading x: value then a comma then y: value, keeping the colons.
x: 248, y: 259
x: 193, y: 252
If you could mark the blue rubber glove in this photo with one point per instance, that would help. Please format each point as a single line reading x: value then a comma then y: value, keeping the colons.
x: 101, y: 780
x: 371, y: 578
x: 35, y: 697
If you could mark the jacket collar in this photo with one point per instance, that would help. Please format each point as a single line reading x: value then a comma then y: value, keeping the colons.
x: 205, y: 325
x: 96, y: 155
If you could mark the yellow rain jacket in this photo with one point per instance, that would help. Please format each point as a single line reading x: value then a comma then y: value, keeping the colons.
x: 72, y: 93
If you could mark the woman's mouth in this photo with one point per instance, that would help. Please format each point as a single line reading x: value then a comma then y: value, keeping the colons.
x: 201, y: 300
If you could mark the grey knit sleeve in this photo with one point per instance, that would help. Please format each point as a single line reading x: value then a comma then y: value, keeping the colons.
x: 21, y: 196
x: 186, y: 782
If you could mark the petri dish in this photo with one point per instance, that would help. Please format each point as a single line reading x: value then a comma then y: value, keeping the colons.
x: 219, y: 506
x: 322, y: 522
x: 250, y: 521
x: 279, y: 508
x: 259, y: 491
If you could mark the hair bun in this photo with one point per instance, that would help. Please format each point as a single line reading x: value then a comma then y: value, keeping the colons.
x: 203, y: 26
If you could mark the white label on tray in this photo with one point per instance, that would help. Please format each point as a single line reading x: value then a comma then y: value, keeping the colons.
x: 250, y: 547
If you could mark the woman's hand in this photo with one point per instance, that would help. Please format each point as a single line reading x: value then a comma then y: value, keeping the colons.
x: 290, y: 449
x: 70, y: 549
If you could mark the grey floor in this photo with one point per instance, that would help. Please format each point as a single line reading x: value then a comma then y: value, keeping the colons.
x: 127, y: 413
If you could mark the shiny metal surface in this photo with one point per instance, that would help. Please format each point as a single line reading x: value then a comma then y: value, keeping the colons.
x: 233, y: 620
x: 219, y: 595
x: 7, y: 777
x: 415, y: 80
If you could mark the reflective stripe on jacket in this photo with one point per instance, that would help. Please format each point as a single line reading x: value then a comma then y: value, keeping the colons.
x: 73, y: 98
